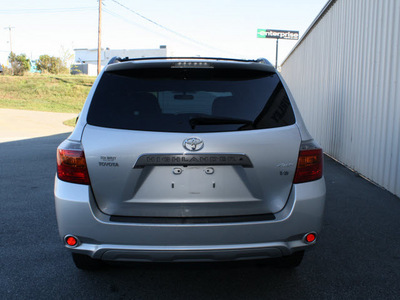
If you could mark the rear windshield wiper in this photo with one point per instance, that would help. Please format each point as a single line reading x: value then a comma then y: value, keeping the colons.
x: 217, y: 121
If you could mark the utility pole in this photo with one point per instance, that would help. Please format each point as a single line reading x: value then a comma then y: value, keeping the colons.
x: 276, y: 55
x: 99, y: 42
x: 9, y: 29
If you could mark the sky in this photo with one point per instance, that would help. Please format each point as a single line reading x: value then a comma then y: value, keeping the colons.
x: 222, y: 28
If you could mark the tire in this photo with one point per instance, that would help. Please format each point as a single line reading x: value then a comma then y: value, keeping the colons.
x: 290, y: 261
x: 85, y: 262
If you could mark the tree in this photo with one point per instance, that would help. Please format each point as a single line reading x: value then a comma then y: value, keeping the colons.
x: 67, y: 57
x: 50, y: 64
x: 19, y: 63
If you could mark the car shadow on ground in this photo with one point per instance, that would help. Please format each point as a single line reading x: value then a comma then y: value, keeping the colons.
x: 356, y: 255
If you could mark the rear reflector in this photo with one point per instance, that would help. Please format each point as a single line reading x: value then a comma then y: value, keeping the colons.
x: 71, y: 163
x: 71, y: 241
x: 310, y: 237
x: 309, y: 164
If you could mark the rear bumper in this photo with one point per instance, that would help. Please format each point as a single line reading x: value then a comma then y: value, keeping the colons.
x: 100, y: 238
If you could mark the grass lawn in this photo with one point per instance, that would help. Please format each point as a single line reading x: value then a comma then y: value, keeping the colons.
x: 54, y: 93
x: 70, y: 122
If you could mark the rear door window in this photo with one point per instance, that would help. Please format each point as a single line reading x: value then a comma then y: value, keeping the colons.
x: 190, y: 100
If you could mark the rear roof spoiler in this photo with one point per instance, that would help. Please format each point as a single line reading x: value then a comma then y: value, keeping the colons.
x: 117, y: 59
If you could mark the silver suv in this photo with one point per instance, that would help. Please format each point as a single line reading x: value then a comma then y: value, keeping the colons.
x: 189, y: 159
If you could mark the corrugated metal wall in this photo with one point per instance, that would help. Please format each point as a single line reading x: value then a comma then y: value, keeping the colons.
x: 345, y: 77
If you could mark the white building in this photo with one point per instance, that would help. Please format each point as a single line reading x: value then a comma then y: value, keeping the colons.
x: 86, y: 59
x: 344, y: 74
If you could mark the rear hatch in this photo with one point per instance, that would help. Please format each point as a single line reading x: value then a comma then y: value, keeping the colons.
x: 209, y: 140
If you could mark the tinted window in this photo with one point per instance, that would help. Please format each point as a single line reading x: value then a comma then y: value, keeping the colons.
x: 190, y: 100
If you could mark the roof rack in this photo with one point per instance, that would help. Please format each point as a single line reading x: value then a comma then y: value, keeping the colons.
x: 117, y: 59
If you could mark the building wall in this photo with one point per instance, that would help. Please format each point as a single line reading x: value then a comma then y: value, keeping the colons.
x: 86, y: 59
x: 86, y: 69
x: 89, y: 56
x: 345, y: 76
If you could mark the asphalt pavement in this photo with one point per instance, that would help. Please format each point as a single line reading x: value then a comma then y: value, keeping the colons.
x: 16, y: 124
x: 356, y: 257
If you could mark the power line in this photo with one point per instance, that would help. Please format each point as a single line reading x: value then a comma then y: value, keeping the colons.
x: 44, y: 10
x: 168, y: 29
x: 141, y: 26
x: 154, y: 22
x: 127, y: 20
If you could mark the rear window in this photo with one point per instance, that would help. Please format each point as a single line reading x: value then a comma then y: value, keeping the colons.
x: 190, y: 100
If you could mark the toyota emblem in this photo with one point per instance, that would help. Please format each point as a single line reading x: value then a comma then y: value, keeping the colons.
x: 193, y: 144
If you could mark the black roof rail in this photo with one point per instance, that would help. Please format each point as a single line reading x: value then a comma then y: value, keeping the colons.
x: 114, y: 60
x: 263, y: 60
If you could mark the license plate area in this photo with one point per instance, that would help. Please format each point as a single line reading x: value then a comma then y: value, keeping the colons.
x: 194, y: 179
x: 179, y: 184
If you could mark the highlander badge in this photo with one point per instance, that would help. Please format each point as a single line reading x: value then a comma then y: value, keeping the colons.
x: 193, y: 144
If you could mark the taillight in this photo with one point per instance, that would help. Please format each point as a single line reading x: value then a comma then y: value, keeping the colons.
x: 71, y: 163
x: 310, y: 163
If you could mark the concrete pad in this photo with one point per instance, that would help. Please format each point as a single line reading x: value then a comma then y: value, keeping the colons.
x: 25, y: 124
